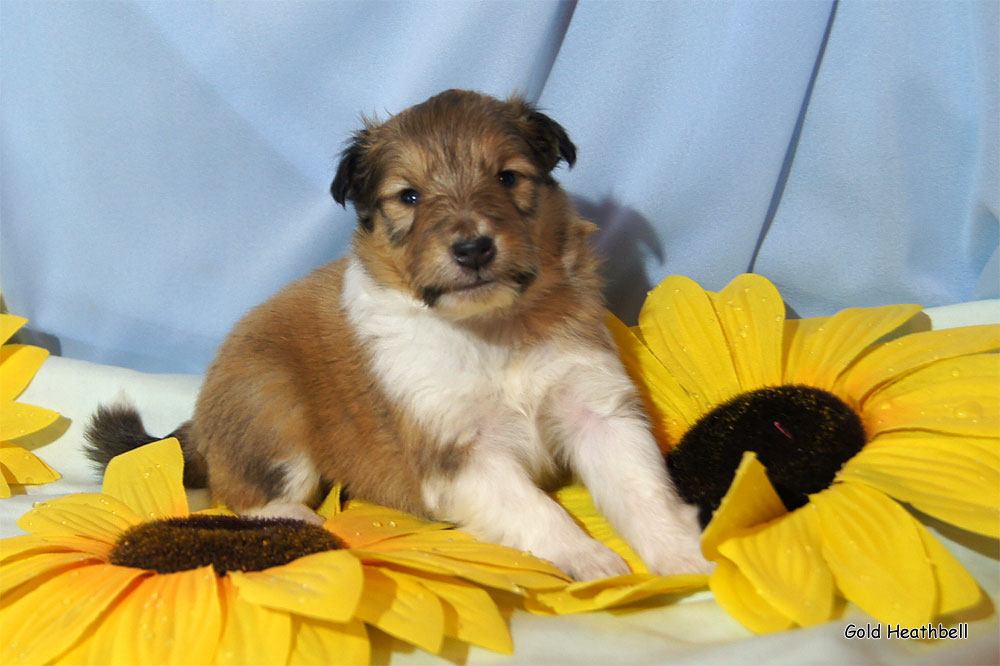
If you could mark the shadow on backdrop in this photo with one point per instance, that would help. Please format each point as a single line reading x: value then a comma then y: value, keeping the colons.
x: 26, y: 335
x: 625, y: 240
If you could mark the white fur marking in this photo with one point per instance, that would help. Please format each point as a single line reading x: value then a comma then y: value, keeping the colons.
x: 463, y: 390
x: 287, y: 510
x: 301, y: 479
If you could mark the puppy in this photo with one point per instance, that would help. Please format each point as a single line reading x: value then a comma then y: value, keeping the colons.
x: 453, y: 365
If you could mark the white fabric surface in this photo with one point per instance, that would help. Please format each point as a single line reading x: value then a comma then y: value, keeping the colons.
x: 165, y: 164
x: 694, y: 630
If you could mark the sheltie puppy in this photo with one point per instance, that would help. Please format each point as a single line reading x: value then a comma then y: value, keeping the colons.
x: 455, y: 364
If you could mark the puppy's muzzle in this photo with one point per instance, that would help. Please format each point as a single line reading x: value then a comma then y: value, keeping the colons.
x: 474, y: 253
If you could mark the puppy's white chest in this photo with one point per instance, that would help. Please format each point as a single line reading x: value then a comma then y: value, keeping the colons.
x: 451, y: 382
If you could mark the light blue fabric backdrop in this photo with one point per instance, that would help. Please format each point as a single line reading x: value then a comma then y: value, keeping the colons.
x: 165, y: 165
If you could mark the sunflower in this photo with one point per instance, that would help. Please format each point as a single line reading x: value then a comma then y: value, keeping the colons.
x: 847, y: 421
x: 129, y: 576
x: 18, y: 364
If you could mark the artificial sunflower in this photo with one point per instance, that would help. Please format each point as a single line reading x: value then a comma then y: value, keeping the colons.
x: 18, y: 364
x: 129, y: 576
x: 844, y: 419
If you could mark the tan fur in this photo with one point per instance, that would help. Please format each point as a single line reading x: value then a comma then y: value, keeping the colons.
x: 292, y: 379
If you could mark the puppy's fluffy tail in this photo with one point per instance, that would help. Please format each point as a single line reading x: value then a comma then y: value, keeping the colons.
x: 116, y: 429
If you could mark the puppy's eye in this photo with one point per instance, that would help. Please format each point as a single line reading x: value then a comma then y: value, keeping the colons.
x: 409, y: 196
x: 507, y: 178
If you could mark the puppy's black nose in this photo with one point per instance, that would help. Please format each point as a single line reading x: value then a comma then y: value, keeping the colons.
x: 475, y: 253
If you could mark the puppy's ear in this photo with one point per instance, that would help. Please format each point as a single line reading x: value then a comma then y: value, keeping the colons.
x: 550, y: 140
x: 547, y: 138
x: 351, y: 178
x: 345, y: 183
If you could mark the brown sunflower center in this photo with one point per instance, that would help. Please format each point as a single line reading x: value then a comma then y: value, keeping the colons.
x: 228, y: 543
x: 801, y: 434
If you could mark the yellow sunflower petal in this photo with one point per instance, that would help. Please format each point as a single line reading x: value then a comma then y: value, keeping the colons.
x: 797, y: 345
x: 252, y: 634
x: 39, y: 568
x: 325, y: 586
x: 149, y: 479
x: 362, y: 524
x: 417, y: 560
x: 18, y: 364
x: 40, y: 626
x: 889, y: 360
x: 470, y: 615
x: 468, y: 549
x: 457, y: 545
x: 331, y: 504
x: 822, y: 352
x: 24, y: 467
x: 679, y: 324
x: 322, y: 643
x: 171, y: 618
x: 33, y: 544
x: 17, y: 419
x: 958, y: 395
x: 738, y: 597
x: 92, y: 515
x: 9, y: 325
x: 610, y: 592
x: 4, y: 487
x: 400, y: 606
x: 950, y: 478
x: 782, y: 560
x: 510, y: 579
x: 956, y: 587
x: 670, y: 408
x: 503, y: 577
x: 578, y: 503
x: 752, y: 315
x: 876, y: 554
x: 750, y: 500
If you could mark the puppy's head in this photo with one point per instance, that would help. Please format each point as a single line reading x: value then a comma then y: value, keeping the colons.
x: 456, y: 205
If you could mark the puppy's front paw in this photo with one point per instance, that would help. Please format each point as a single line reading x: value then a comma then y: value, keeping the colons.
x: 676, y: 549
x: 682, y: 558
x: 590, y: 559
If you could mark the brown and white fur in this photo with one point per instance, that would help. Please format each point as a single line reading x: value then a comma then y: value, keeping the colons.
x: 453, y: 365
